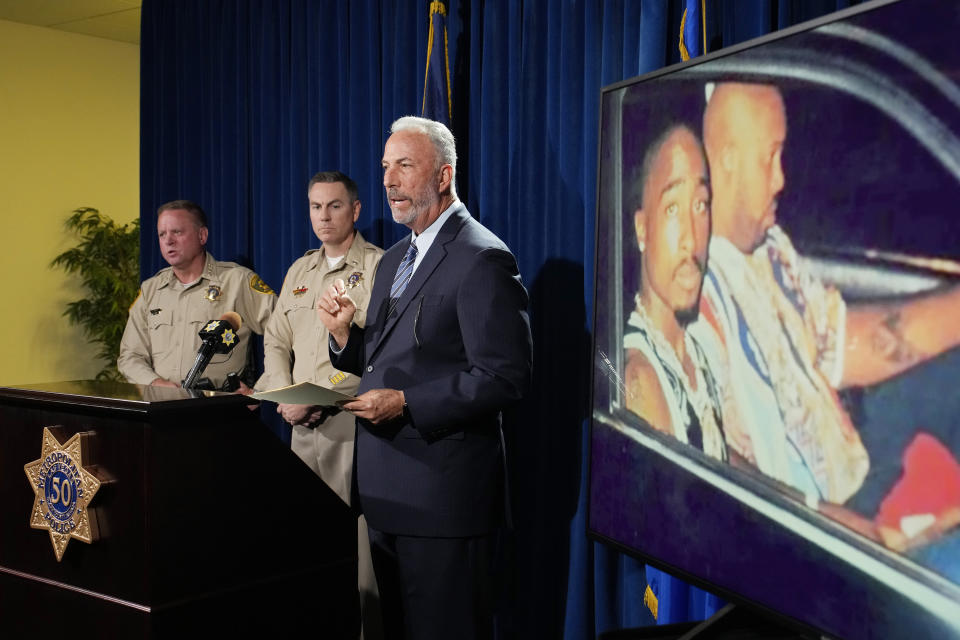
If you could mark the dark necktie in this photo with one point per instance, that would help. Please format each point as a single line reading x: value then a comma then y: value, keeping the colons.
x: 404, y: 273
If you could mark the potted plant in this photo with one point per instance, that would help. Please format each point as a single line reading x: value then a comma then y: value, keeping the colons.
x: 107, y: 259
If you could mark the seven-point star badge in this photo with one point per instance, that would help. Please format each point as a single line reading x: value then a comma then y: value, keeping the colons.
x: 63, y: 490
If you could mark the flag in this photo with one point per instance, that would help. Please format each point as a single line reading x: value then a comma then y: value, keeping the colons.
x: 666, y: 596
x: 671, y: 600
x: 437, y: 103
x: 693, y: 29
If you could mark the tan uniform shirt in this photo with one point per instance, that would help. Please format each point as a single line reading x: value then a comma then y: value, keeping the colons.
x: 160, y: 339
x: 295, y: 343
x: 296, y: 349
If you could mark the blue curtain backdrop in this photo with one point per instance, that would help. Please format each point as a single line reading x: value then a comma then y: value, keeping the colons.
x: 243, y: 100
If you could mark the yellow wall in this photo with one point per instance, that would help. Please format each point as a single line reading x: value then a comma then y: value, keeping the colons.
x: 69, y: 137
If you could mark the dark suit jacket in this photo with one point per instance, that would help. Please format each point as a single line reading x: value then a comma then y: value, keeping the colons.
x: 458, y: 345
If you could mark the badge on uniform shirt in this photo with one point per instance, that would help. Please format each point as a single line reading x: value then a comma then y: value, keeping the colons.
x: 213, y: 292
x: 257, y: 284
x: 299, y: 291
x: 62, y: 490
x: 337, y: 378
x: 354, y: 280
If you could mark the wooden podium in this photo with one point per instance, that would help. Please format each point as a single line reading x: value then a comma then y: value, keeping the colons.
x: 208, y: 524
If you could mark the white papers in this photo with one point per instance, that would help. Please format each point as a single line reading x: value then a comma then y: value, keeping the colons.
x: 305, y: 393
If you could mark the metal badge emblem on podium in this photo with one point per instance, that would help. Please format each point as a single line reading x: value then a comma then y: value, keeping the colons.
x: 63, y: 489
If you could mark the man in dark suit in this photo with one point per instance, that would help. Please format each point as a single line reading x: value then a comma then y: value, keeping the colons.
x: 446, y: 347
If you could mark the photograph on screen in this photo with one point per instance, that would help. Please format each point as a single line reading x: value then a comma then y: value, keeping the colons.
x: 778, y: 309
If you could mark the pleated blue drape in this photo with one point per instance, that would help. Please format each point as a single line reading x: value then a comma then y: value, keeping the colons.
x: 243, y: 100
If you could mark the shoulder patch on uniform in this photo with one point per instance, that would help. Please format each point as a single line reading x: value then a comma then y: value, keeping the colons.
x: 257, y: 284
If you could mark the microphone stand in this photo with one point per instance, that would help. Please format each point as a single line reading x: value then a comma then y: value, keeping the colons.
x: 204, y: 354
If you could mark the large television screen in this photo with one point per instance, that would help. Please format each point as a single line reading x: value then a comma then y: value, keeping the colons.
x: 776, y: 412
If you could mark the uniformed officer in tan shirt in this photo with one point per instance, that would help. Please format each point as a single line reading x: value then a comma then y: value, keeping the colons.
x: 160, y: 341
x: 295, y: 350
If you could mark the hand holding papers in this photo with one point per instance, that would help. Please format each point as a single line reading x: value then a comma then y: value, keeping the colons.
x: 305, y: 393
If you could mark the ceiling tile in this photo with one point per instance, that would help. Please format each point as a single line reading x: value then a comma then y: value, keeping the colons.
x: 113, y: 19
x: 123, y: 26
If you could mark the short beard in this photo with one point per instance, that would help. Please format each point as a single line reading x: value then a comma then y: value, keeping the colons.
x: 687, y: 316
x: 411, y: 215
x: 418, y: 206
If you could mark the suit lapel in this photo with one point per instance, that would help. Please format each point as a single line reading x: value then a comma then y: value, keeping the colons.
x: 434, y: 257
x: 381, y: 290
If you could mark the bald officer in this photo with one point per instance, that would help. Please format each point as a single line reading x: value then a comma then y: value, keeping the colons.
x: 295, y: 350
x: 160, y: 342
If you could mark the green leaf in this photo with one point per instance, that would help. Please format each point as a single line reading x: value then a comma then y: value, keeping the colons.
x: 107, y: 259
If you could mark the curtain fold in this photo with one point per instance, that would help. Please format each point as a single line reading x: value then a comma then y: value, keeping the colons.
x: 243, y: 100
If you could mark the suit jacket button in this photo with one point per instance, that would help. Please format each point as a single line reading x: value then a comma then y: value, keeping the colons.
x: 369, y: 368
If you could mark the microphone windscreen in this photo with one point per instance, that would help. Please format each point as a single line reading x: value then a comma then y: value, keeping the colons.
x: 233, y: 318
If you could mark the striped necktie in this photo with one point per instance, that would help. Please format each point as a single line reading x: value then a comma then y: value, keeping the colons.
x: 404, y: 273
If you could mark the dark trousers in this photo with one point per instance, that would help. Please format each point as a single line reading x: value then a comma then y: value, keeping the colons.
x: 434, y: 588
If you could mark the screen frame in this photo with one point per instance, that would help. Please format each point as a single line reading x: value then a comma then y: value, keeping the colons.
x: 665, y: 448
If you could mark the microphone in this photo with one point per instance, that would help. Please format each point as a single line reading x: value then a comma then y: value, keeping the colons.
x: 217, y: 336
